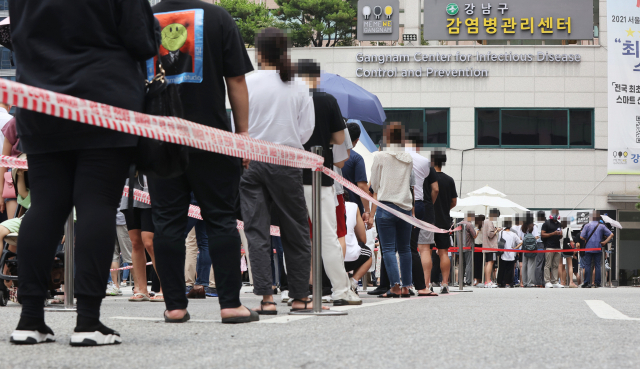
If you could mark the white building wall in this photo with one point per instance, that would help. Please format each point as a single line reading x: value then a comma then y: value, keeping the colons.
x: 534, y: 178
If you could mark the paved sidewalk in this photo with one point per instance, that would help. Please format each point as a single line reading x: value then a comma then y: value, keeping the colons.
x: 496, y: 328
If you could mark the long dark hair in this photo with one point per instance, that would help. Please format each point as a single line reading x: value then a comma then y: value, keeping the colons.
x: 273, y: 45
x: 479, y: 221
x: 527, y: 226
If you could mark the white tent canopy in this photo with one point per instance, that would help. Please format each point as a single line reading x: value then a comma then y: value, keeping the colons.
x: 486, y: 191
x: 485, y: 199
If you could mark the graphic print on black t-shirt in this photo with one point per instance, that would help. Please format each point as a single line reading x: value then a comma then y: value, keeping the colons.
x: 181, y: 52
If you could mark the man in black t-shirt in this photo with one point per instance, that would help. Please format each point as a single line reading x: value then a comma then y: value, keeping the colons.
x: 329, y: 130
x: 218, y: 57
x: 551, y: 237
x: 446, y: 200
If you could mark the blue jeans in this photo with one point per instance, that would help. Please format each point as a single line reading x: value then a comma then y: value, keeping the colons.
x: 395, y: 235
x: 597, y: 258
x: 203, y: 265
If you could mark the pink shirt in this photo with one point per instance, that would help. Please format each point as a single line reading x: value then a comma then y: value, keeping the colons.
x: 9, y: 131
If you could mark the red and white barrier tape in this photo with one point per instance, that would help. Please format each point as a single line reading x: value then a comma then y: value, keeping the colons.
x: 174, y: 130
x: 127, y: 267
x: 169, y: 129
x: 407, y: 218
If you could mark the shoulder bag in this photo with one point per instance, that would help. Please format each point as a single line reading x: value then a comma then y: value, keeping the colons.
x: 154, y: 158
x: 567, y: 244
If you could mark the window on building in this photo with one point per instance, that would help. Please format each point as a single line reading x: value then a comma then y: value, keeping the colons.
x: 5, y: 59
x: 4, y: 4
x: 536, y: 128
x: 432, y: 124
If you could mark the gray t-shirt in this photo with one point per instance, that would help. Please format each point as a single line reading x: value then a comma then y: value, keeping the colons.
x: 139, y: 183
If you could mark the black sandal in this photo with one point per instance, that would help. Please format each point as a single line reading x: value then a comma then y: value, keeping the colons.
x: 184, y: 319
x: 389, y: 295
x: 266, y: 312
x: 305, y: 304
x: 253, y: 317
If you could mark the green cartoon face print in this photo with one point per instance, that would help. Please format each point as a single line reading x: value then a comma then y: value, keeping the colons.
x: 174, y: 36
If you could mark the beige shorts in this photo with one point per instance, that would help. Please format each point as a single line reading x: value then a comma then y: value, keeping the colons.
x: 123, y: 245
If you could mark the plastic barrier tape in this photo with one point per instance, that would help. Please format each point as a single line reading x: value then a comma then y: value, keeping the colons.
x: 169, y: 129
x: 174, y: 130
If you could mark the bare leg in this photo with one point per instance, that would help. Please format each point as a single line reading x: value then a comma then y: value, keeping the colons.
x: 11, y: 207
x: 139, y: 261
x: 114, y: 273
x: 427, y: 264
x: 445, y: 265
x: 147, y: 240
x: 488, y: 269
x: 357, y: 274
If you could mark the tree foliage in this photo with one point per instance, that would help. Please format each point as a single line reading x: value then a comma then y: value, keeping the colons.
x: 319, y: 22
x: 250, y: 17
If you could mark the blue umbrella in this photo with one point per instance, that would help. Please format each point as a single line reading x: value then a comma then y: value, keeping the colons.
x: 355, y: 102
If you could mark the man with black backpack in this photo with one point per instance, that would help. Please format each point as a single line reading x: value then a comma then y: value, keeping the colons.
x: 529, y: 243
x: 592, y: 234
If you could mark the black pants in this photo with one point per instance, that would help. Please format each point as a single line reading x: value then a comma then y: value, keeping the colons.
x: 92, y: 181
x: 214, y: 180
x: 478, y: 266
x: 505, y: 272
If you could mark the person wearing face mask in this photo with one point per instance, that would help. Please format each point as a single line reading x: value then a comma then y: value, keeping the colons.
x: 551, y: 236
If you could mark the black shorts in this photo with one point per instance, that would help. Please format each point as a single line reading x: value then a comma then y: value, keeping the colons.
x: 140, y: 219
x: 365, y: 255
x: 443, y: 242
x: 490, y: 256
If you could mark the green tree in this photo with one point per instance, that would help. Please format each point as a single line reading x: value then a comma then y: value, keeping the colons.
x: 250, y: 17
x: 318, y: 21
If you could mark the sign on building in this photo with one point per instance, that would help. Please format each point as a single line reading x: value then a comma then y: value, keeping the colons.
x: 378, y: 20
x: 508, y: 20
x: 623, y: 33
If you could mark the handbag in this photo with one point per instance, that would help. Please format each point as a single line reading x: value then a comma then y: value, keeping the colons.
x: 501, y: 242
x: 567, y: 244
x: 155, y: 158
x: 9, y: 191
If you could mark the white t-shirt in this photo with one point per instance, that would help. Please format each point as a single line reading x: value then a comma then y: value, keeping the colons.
x: 421, y: 168
x: 279, y: 112
x: 353, y: 249
x: 537, y: 227
x: 511, y: 241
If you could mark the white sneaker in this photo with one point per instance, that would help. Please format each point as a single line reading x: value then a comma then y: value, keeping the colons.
x: 548, y: 285
x: 123, y: 284
x: 354, y: 285
x: 350, y: 298
x: 327, y: 298
x: 493, y: 285
x: 109, y: 291
x: 290, y: 302
x: 285, y: 296
x: 558, y: 285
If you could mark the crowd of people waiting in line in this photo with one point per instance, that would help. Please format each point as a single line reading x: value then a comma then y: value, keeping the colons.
x: 82, y: 167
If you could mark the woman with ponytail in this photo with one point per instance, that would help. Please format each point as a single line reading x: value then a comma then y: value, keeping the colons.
x: 280, y: 111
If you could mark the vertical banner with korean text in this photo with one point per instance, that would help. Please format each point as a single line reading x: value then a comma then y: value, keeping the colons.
x: 623, y: 38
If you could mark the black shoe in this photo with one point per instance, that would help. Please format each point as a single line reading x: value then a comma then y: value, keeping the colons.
x: 584, y: 285
x: 378, y: 291
x: 411, y: 293
x: 32, y: 331
x: 444, y: 289
x: 91, y: 332
x: 211, y: 292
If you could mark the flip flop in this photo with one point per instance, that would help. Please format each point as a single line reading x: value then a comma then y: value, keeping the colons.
x: 253, y: 317
x: 142, y: 295
x: 184, y: 319
x: 157, y: 298
x: 430, y: 294
x: 266, y: 312
x: 389, y: 295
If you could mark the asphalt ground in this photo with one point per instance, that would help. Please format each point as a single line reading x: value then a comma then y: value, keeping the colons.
x: 486, y: 328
